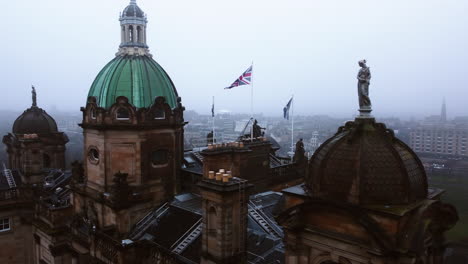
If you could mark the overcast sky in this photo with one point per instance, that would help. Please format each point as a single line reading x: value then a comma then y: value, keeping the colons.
x: 417, y: 51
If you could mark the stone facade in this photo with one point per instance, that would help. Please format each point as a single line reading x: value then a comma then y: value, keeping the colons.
x: 16, y: 206
x: 32, y: 154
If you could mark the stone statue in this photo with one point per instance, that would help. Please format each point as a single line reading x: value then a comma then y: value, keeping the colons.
x: 257, y: 130
x: 209, y: 138
x: 364, y: 77
x: 299, y: 154
x: 34, y: 96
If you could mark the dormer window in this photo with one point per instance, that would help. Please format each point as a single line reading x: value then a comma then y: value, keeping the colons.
x: 93, y: 114
x: 123, y: 114
x: 159, y: 114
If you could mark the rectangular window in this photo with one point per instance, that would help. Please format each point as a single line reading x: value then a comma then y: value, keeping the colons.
x: 5, y: 224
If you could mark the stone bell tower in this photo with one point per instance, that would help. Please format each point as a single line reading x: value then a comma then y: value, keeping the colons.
x: 133, y: 133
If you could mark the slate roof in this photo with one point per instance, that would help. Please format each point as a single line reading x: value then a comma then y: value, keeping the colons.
x: 178, y: 218
x: 192, y: 162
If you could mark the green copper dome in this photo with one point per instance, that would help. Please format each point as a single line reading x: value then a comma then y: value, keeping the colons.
x: 139, y: 78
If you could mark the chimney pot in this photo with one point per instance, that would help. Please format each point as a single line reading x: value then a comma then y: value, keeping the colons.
x: 211, y: 175
x: 225, y: 177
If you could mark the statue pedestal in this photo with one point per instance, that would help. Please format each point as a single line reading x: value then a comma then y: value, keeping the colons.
x: 364, y: 112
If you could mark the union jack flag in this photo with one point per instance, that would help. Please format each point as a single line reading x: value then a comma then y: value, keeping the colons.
x: 244, y: 79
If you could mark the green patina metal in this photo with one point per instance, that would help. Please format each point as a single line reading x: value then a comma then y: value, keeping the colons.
x: 139, y: 78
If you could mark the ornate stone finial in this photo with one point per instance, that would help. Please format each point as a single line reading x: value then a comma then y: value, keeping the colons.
x: 364, y: 77
x: 34, y: 96
x: 133, y: 2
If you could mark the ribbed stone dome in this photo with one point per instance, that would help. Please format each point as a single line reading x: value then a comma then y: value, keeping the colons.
x: 34, y: 121
x: 139, y: 78
x: 132, y: 10
x: 364, y: 163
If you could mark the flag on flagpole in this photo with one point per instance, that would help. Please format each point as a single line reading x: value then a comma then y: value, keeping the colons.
x: 212, y: 108
x: 286, y: 109
x: 244, y: 79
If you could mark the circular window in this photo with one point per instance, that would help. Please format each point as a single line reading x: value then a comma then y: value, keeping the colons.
x: 93, y: 155
x: 159, y: 157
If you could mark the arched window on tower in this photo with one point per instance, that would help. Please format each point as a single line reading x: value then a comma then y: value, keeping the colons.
x: 139, y: 35
x: 130, y: 34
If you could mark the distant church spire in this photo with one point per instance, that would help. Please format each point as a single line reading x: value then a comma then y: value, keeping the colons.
x: 443, y: 113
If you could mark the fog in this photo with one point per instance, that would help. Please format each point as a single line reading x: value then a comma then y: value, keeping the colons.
x: 416, y: 51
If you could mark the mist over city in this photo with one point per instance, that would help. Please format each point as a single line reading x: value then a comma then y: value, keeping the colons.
x: 416, y: 50
x: 225, y: 132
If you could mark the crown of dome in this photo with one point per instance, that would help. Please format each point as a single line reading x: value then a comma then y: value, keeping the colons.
x: 34, y: 121
x: 139, y: 78
x: 133, y: 10
x: 364, y: 163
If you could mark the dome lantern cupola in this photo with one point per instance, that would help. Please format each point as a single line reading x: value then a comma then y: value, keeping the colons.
x: 133, y: 30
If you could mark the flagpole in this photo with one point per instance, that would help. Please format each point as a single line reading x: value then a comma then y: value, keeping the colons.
x: 213, y: 121
x: 292, y: 127
x: 251, y: 103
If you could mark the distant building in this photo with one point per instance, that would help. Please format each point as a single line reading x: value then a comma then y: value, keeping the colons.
x: 443, y: 140
x: 438, y: 136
